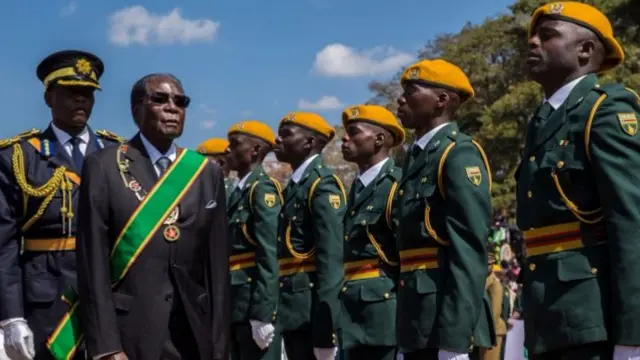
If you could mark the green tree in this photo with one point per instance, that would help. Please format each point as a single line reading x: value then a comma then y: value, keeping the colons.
x: 493, y: 55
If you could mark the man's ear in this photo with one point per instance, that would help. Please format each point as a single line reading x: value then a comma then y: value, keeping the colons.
x: 48, y: 97
x: 380, y: 139
x: 443, y: 99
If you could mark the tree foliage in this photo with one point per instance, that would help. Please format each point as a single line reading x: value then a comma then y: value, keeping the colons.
x: 493, y: 55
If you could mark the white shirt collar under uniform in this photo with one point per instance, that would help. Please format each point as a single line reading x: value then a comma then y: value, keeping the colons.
x: 297, y: 175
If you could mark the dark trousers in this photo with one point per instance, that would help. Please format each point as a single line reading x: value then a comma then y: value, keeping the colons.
x: 243, y: 347
x: 298, y: 344
x: 593, y: 351
x: 422, y: 354
x: 371, y: 353
x: 181, y: 344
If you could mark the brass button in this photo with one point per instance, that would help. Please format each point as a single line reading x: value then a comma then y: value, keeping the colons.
x: 401, y: 282
x: 281, y: 284
x: 296, y: 205
x: 560, y: 164
x: 363, y: 222
x: 532, y: 267
x: 273, y: 318
x: 344, y: 289
x: 386, y: 295
x: 594, y: 271
x: 293, y: 218
x: 240, y: 207
x: 311, y: 285
x: 237, y: 220
x: 249, y: 279
x: 529, y: 194
x: 346, y: 237
x: 370, y: 207
x: 400, y: 192
x: 423, y: 180
x: 353, y: 212
x: 454, y: 132
x: 279, y: 238
x: 333, y: 341
x: 532, y: 158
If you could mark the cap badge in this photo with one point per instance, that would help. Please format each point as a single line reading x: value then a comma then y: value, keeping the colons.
x: 83, y: 67
x: 290, y: 117
x: 556, y: 8
x: 355, y: 112
x: 414, y: 73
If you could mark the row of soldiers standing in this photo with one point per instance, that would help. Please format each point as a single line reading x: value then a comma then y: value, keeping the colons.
x: 399, y: 263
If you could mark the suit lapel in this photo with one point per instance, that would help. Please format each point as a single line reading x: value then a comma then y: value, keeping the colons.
x: 558, y: 117
x: 423, y: 157
x: 141, y: 167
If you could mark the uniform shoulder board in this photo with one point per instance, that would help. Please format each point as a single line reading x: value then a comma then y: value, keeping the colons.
x: 16, y: 139
x: 109, y: 136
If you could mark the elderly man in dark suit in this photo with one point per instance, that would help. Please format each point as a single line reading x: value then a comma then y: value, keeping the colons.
x: 152, y: 250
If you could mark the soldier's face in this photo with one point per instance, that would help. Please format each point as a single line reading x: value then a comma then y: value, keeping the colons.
x: 360, y: 141
x: 71, y: 105
x: 164, y: 109
x: 241, y: 151
x: 292, y: 143
x: 416, y: 104
x: 554, y: 48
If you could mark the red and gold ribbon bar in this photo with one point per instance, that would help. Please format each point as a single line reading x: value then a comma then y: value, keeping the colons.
x: 553, y: 239
x: 50, y: 244
x: 418, y: 259
x: 362, y: 269
x: 292, y: 265
x: 242, y: 261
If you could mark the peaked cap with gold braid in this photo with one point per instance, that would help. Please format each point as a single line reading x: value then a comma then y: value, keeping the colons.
x: 71, y: 68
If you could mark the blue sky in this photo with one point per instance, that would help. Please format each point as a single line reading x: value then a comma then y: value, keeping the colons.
x: 240, y: 59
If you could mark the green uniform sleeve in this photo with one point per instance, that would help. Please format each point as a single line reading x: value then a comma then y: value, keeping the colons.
x: 266, y: 202
x: 468, y: 211
x: 615, y: 155
x: 327, y: 210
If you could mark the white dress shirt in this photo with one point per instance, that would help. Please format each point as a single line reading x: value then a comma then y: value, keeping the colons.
x: 424, y: 140
x: 297, y: 174
x: 560, y: 96
x: 65, y: 139
x: 368, y: 176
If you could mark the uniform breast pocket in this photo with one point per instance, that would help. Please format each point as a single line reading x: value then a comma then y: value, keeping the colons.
x: 369, y: 216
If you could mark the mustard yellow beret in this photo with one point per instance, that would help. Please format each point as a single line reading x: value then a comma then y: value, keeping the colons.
x: 254, y: 128
x: 375, y: 114
x: 588, y: 17
x: 440, y: 73
x: 310, y: 121
x: 213, y: 146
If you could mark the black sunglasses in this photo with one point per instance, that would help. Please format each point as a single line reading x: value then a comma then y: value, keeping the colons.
x: 159, y: 97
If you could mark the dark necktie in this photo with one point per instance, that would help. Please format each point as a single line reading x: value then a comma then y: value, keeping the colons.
x: 542, y: 115
x: 163, y: 164
x: 412, y: 156
x: 235, y: 194
x: 76, y: 154
x: 359, y: 186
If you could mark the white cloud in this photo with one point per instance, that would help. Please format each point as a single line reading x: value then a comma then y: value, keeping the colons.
x: 341, y: 60
x: 207, y: 109
x: 207, y: 124
x: 69, y: 9
x: 136, y: 25
x: 324, y: 103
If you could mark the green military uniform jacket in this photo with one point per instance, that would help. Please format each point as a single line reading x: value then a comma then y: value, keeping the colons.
x: 228, y: 187
x: 253, y: 265
x: 310, y: 253
x: 579, y: 207
x: 442, y: 231
x: 371, y: 263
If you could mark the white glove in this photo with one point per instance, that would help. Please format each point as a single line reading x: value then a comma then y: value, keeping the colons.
x: 18, y: 339
x: 262, y: 333
x: 448, y: 355
x: 325, y: 353
x: 626, y: 352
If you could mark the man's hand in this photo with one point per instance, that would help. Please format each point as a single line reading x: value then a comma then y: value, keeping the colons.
x: 449, y: 355
x: 18, y: 340
x: 262, y: 333
x: 325, y: 353
x: 626, y: 353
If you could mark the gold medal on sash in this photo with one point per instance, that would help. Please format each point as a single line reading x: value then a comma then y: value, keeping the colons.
x: 171, y: 233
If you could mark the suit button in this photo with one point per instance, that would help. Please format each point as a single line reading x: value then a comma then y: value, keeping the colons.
x: 386, y: 295
x: 532, y: 267
x: 344, y: 289
x: 532, y: 158
x: 594, y: 271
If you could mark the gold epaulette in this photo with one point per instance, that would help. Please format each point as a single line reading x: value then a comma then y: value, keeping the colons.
x: 16, y: 139
x: 110, y: 136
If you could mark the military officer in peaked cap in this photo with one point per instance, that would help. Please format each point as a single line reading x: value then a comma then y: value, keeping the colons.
x: 309, y: 240
x: 39, y: 179
x: 371, y: 264
x: 577, y: 193
x: 444, y: 214
x: 215, y: 149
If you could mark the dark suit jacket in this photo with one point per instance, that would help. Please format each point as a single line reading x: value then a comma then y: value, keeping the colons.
x: 134, y: 316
